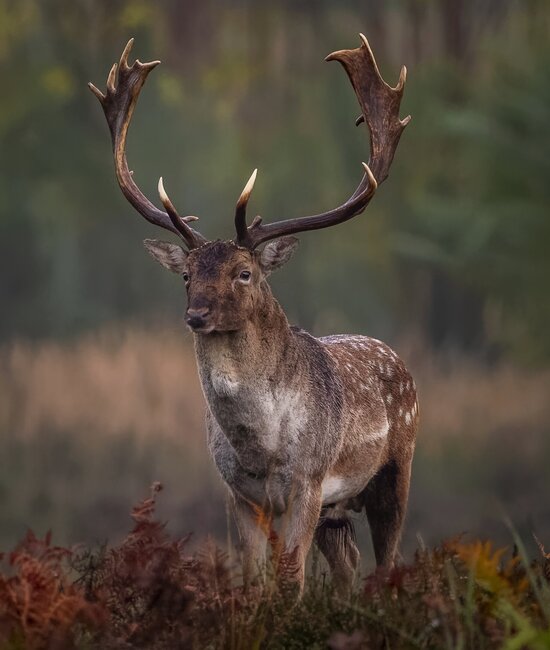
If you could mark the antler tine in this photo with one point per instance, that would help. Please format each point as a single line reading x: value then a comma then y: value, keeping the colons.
x: 379, y: 104
x: 124, y: 84
x: 179, y: 223
x: 240, y: 210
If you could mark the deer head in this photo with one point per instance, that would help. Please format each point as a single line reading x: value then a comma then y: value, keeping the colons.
x: 225, y: 280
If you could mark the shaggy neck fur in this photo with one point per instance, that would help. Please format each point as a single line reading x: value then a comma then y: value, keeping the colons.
x: 257, y: 349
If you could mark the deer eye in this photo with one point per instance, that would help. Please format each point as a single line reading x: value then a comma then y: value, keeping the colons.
x: 245, y: 276
x: 185, y: 277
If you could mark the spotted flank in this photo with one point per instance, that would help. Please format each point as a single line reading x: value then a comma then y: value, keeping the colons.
x: 370, y: 366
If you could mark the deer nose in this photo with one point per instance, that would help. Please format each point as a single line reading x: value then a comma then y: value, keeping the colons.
x: 196, y: 318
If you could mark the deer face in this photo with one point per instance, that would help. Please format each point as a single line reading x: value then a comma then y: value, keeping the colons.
x: 223, y: 280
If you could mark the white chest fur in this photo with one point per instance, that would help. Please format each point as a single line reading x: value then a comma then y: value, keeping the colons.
x: 275, y: 412
x: 225, y: 383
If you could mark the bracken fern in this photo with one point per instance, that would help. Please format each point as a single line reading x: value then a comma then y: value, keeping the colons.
x: 150, y: 592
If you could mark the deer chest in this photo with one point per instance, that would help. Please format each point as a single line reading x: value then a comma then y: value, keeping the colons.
x: 255, y: 414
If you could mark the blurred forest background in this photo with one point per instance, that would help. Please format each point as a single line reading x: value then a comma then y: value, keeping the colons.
x: 450, y: 264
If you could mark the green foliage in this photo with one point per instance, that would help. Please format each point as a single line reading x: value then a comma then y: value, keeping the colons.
x: 453, y: 249
x: 482, y: 215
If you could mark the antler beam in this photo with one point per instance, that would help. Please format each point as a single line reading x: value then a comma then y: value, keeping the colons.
x: 379, y: 104
x: 124, y: 84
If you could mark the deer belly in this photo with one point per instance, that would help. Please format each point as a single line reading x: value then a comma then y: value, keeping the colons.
x: 338, y: 488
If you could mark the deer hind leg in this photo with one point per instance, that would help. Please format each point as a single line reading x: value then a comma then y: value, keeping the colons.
x: 335, y: 538
x: 385, y: 499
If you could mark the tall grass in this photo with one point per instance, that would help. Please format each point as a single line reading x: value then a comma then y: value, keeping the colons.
x: 84, y: 424
x: 110, y: 383
x: 150, y: 591
x: 145, y: 382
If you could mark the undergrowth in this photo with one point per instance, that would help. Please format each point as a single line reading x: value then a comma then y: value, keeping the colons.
x: 151, y: 592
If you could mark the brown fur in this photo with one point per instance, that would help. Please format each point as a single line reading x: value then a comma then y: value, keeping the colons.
x: 303, y: 428
x: 297, y: 426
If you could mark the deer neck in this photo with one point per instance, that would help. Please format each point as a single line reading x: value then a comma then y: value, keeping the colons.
x: 249, y: 380
x: 229, y: 361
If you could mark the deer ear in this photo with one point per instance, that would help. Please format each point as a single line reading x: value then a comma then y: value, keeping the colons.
x: 277, y: 253
x: 172, y: 257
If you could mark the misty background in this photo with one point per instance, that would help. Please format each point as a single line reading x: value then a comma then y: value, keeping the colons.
x: 450, y: 263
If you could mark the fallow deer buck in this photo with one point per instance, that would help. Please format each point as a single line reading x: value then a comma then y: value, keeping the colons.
x: 310, y: 428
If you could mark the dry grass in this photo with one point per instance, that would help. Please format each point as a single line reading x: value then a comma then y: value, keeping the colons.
x: 146, y: 382
x: 84, y: 424
x: 149, y: 591
x: 111, y: 383
x: 461, y: 397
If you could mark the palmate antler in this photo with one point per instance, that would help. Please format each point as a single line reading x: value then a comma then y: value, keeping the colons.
x: 123, y: 87
x: 380, y: 110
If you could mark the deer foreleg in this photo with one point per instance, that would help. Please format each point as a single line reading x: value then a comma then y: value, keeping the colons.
x: 298, y: 530
x: 254, y: 529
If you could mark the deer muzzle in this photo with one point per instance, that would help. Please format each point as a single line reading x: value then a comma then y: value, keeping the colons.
x: 197, y: 319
